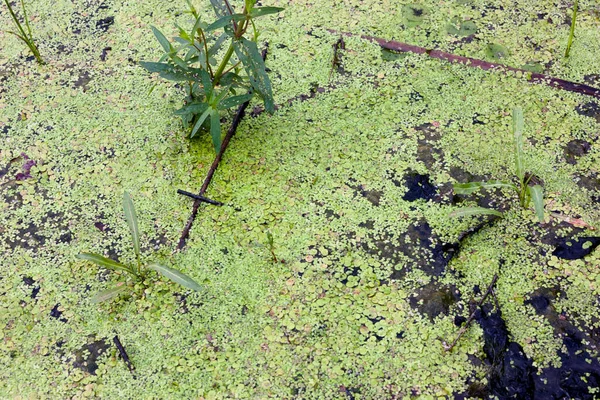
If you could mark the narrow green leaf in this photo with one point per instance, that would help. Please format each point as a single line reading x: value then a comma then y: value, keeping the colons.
x: 248, y: 54
x: 217, y: 45
x: 537, y: 196
x: 224, y: 21
x: 235, y: 101
x: 183, y: 34
x: 215, y: 130
x: 206, y: 83
x: 164, y: 42
x: 517, y: 120
x: 155, y: 66
x: 193, y: 108
x: 200, y: 121
x: 175, y: 276
x: 178, y: 61
x: 108, y: 294
x: 260, y: 11
x: 105, y: 262
x: 470, y: 211
x: 471, y: 187
x: 132, y: 222
x: 220, y: 7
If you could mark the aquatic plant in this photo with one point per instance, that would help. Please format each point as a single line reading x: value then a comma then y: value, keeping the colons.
x: 572, y: 30
x: 528, y: 188
x: 26, y: 37
x: 211, y: 86
x: 136, y: 272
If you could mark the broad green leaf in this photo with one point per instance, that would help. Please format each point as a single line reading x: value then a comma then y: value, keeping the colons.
x: 194, y: 108
x: 469, y: 211
x: 132, y: 222
x: 108, y: 294
x: 260, y: 11
x: 234, y: 101
x: 215, y: 130
x: 517, y: 120
x: 200, y: 121
x: 164, y: 42
x: 471, y: 187
x: 175, y: 276
x: 537, y: 196
x: 248, y: 54
x: 105, y: 262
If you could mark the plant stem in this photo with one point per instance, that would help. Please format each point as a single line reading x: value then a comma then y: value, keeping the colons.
x: 224, y: 62
x: 27, y: 38
x: 572, y: 32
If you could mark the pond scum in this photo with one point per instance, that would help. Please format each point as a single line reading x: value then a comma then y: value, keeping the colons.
x: 348, y: 188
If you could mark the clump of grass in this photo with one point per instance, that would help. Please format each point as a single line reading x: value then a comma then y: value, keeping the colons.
x: 526, y: 188
x: 137, y: 272
x: 26, y: 37
x: 572, y: 31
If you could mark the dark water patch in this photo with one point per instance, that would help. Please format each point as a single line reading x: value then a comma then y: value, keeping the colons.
x: 82, y: 81
x: 590, y: 109
x: 56, y: 313
x: 576, y: 248
x: 575, y: 149
x: 419, y: 244
x: 35, y: 288
x: 434, y: 299
x: 373, y: 196
x: 419, y: 187
x: 86, y: 358
x: 428, y: 151
x: 105, y: 23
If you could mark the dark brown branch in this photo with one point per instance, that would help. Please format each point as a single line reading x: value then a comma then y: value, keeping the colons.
x: 201, y: 198
x: 123, y: 353
x: 473, y: 62
x: 236, y: 121
x: 472, y: 316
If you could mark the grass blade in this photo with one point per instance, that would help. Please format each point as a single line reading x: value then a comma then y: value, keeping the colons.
x: 537, y: 196
x: 176, y: 276
x: 108, y: 294
x: 132, y: 222
x: 471, y: 187
x: 470, y: 211
x: 517, y: 120
x: 105, y: 262
x: 200, y: 121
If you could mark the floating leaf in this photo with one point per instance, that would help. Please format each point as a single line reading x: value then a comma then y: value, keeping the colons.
x: 105, y: 262
x: 537, y: 196
x: 471, y: 187
x: 108, y: 294
x: 496, y: 51
x: 470, y: 211
x: 175, y: 276
x: 458, y: 27
x: 131, y: 219
x: 517, y: 120
x: 414, y: 14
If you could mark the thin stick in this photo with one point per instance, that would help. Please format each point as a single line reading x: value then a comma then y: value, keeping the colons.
x: 201, y: 198
x: 472, y: 316
x: 473, y: 62
x: 123, y: 353
x: 236, y: 121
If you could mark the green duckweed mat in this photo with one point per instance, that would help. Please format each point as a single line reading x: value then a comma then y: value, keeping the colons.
x: 354, y: 185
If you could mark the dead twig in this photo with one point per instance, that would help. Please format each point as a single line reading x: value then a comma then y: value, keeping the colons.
x: 123, y: 353
x: 473, y: 62
x: 472, y: 316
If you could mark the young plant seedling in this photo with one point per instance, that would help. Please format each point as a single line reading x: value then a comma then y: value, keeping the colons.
x: 526, y: 188
x: 572, y: 30
x: 26, y: 37
x: 212, y: 86
x: 137, y: 272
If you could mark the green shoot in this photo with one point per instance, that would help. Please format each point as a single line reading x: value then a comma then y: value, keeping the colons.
x: 572, y: 30
x: 26, y: 37
x: 212, y: 86
x: 136, y: 273
x: 524, y: 189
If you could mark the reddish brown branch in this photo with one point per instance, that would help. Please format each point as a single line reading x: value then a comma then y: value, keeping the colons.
x: 236, y: 121
x: 473, y: 62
